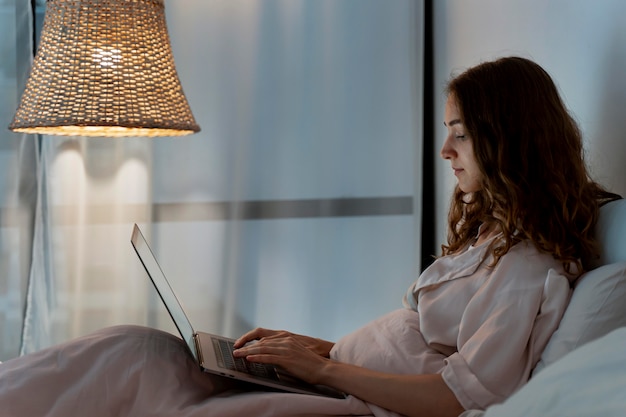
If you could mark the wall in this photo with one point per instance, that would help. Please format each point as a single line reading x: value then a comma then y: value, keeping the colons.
x: 307, y: 108
x: 582, y: 44
x: 292, y: 208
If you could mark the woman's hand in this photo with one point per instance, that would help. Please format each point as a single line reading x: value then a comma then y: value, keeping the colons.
x: 318, y: 346
x: 301, y: 356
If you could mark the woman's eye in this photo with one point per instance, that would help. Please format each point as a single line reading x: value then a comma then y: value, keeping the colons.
x: 460, y: 136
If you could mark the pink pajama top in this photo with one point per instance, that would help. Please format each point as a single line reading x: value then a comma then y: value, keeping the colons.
x: 482, y: 328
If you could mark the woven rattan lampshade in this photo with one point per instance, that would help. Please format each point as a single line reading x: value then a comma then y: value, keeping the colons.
x: 104, y: 68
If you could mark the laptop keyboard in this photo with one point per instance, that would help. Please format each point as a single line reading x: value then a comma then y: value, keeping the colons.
x: 225, y: 359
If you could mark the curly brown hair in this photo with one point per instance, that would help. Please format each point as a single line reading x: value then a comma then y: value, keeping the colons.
x: 535, y: 183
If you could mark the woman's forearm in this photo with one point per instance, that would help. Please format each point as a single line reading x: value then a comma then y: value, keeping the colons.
x: 410, y: 395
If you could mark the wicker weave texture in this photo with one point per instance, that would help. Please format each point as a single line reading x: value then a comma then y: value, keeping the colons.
x: 104, y: 68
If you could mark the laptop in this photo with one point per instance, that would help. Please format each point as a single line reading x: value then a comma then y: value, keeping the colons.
x: 213, y: 353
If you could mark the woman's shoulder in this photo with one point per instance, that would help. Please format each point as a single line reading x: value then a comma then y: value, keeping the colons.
x: 525, y: 258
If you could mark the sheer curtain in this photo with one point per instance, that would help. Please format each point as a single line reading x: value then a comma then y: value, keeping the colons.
x: 18, y: 178
x: 296, y: 206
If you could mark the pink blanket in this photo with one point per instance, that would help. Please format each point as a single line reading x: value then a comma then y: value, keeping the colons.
x: 136, y: 371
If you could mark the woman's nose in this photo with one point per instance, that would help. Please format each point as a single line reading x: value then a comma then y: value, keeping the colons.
x: 447, y: 150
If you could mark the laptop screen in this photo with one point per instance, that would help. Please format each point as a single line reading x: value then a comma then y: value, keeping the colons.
x: 163, y: 288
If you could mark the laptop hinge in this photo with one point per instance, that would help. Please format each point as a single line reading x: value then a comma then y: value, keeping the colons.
x: 196, y: 342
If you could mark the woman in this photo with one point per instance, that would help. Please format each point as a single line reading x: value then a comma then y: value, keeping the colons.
x: 474, y: 323
x: 525, y: 198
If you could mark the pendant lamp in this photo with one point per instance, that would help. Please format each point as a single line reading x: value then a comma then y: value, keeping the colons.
x: 104, y: 68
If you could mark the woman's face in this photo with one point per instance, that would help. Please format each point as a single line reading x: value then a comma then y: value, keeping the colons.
x: 459, y: 150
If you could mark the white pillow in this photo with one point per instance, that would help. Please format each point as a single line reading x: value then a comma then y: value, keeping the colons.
x: 611, y: 233
x: 598, y: 306
x: 588, y: 382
